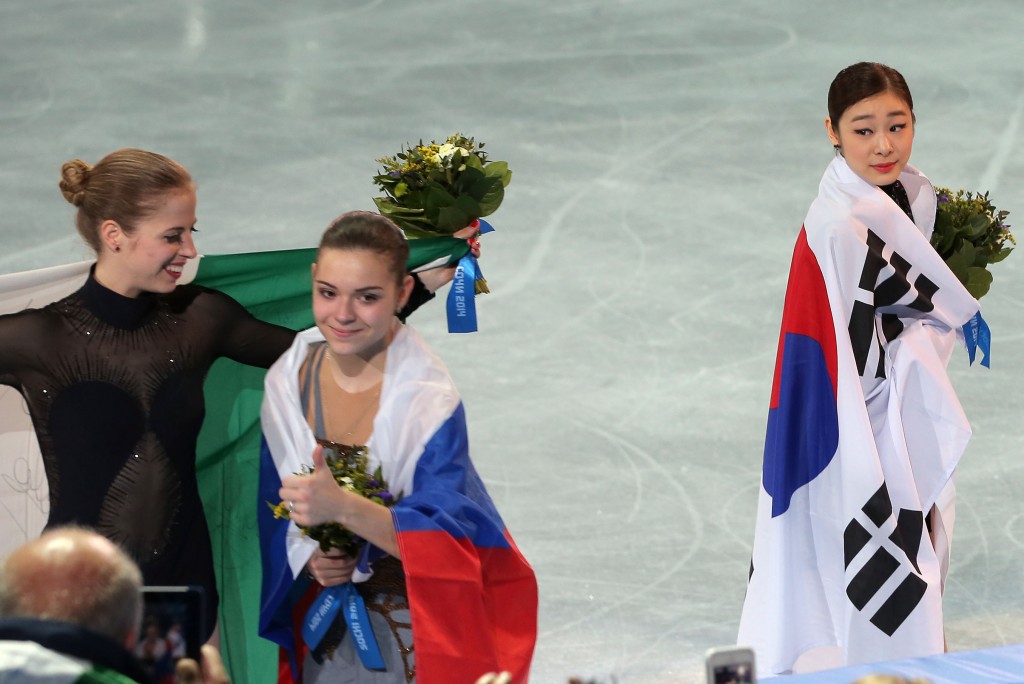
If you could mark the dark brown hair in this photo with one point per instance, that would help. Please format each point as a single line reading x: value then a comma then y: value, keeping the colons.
x: 125, y: 186
x: 862, y: 80
x: 369, y: 231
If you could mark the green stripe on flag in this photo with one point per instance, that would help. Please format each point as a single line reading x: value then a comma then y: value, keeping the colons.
x: 445, y: 250
x: 274, y: 287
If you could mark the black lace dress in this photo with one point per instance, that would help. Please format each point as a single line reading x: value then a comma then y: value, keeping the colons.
x: 114, y: 386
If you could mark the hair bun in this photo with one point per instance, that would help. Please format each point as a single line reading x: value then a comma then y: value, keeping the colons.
x: 74, y: 175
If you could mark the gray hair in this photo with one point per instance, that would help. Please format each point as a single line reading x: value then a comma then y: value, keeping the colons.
x: 73, y: 575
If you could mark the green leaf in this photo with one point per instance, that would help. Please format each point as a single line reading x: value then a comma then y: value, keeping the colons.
x: 385, y: 180
x: 451, y: 219
x: 436, y: 197
x: 499, y: 170
x: 943, y: 244
x: 978, y: 282
x: 387, y: 206
x: 459, y: 215
x: 467, y: 180
x: 1001, y: 254
x: 413, y: 231
x: 943, y: 222
x: 469, y: 205
x: 958, y: 264
x: 967, y: 251
x: 493, y: 192
x: 977, y: 226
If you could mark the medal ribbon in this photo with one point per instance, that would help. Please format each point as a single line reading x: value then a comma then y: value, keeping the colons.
x: 461, y: 297
x: 977, y: 335
x: 323, y: 611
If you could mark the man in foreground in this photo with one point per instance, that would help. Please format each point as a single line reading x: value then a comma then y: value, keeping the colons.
x: 70, y: 606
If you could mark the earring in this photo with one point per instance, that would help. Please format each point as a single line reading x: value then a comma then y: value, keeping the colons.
x: 836, y: 147
x: 117, y: 247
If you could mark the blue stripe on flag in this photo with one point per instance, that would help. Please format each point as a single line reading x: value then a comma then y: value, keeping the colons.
x: 275, y: 607
x: 803, y: 430
x: 448, y: 494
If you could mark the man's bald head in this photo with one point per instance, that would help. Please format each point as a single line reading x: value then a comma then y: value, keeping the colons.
x: 77, y: 576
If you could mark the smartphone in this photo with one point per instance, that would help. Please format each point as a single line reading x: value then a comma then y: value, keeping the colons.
x: 172, y: 628
x: 731, y: 665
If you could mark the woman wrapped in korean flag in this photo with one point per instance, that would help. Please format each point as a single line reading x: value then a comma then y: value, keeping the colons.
x: 865, y: 431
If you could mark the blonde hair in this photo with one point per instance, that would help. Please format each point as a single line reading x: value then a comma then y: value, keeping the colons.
x: 125, y: 186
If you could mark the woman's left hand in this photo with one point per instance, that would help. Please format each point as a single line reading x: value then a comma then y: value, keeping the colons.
x: 316, y: 498
x: 331, y: 568
x: 436, y: 278
x: 470, y: 234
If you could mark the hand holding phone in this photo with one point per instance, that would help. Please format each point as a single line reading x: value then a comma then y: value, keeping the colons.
x: 211, y: 671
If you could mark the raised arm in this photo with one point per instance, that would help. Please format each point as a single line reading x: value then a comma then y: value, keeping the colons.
x: 240, y: 336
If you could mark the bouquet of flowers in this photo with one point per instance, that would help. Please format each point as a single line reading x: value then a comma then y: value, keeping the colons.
x: 970, y: 233
x: 349, y: 466
x: 438, y: 189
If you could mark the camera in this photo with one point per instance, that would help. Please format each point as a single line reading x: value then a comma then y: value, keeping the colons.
x: 733, y: 665
x: 172, y: 628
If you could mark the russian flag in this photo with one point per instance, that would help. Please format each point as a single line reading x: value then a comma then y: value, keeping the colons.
x: 472, y: 595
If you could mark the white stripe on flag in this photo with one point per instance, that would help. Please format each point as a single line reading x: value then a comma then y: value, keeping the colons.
x: 24, y: 492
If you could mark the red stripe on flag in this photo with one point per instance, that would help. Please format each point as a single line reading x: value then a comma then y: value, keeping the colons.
x: 806, y: 312
x: 285, y: 675
x: 474, y: 610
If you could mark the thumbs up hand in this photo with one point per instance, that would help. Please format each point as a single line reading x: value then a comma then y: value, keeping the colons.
x: 315, y: 498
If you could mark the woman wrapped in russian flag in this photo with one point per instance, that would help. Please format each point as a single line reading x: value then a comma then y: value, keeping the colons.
x: 439, y: 592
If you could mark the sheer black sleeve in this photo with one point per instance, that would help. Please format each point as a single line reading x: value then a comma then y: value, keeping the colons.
x: 240, y: 336
x: 24, y: 343
x: 420, y: 295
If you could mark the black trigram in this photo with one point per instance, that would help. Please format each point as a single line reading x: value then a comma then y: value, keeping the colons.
x: 885, y: 293
x: 882, y: 565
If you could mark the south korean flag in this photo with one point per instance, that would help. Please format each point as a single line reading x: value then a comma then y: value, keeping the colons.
x: 881, y: 547
x: 864, y: 434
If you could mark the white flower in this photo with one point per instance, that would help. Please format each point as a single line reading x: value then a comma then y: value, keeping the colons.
x: 446, y: 151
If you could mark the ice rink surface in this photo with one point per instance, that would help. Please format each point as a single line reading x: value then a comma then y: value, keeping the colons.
x: 664, y: 155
